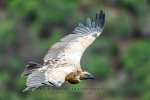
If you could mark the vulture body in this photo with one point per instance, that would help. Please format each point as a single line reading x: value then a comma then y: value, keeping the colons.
x: 62, y: 62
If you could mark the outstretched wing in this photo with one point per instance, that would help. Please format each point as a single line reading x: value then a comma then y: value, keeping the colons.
x: 71, y: 47
x: 48, y: 77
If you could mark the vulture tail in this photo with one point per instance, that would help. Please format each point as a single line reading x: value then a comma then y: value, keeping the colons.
x: 31, y: 67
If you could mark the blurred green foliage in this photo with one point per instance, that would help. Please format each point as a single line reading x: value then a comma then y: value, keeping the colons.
x: 119, y: 58
x: 136, y: 63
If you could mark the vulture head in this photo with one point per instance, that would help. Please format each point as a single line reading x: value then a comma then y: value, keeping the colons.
x: 86, y: 75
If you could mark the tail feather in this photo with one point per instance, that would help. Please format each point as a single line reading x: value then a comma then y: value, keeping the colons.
x: 31, y: 67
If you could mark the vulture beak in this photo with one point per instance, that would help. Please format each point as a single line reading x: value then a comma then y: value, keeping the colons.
x: 92, y: 77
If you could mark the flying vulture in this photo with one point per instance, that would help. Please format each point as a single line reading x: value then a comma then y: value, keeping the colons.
x: 62, y: 62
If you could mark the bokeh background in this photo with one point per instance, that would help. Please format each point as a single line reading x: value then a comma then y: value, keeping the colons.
x: 119, y: 59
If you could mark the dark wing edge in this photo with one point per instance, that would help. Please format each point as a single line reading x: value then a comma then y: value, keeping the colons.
x: 36, y: 80
x: 92, y: 27
x: 100, y: 20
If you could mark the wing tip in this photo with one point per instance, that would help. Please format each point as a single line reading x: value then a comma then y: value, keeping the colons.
x: 88, y: 23
x: 100, y: 19
x: 96, y: 26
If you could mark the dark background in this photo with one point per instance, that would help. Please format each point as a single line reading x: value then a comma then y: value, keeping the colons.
x: 119, y: 59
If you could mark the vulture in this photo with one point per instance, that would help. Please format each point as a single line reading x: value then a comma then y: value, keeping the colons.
x: 62, y: 61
